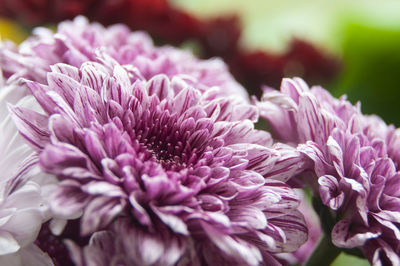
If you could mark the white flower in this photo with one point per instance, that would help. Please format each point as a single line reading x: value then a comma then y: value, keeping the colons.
x: 23, y: 207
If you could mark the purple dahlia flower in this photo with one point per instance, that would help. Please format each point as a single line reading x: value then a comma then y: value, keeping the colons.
x: 77, y: 41
x: 355, y: 158
x: 182, y: 171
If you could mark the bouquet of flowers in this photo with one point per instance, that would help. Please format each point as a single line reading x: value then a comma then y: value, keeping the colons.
x: 118, y: 152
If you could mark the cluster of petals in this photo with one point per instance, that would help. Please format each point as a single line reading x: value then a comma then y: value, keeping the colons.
x: 23, y: 205
x: 355, y: 158
x: 154, y: 148
x: 300, y: 256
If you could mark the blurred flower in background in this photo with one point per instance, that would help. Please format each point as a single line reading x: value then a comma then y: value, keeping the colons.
x: 219, y: 36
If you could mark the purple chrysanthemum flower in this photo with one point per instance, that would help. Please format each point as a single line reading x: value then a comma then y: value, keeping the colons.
x: 183, y: 170
x: 75, y: 42
x: 356, y: 159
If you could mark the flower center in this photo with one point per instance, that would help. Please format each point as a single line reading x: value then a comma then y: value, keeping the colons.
x: 168, y: 144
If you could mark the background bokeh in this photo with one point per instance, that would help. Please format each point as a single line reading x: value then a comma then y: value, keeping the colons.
x: 349, y: 47
x: 364, y: 34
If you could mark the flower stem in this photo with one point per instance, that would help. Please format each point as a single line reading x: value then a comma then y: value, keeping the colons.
x: 324, y: 253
